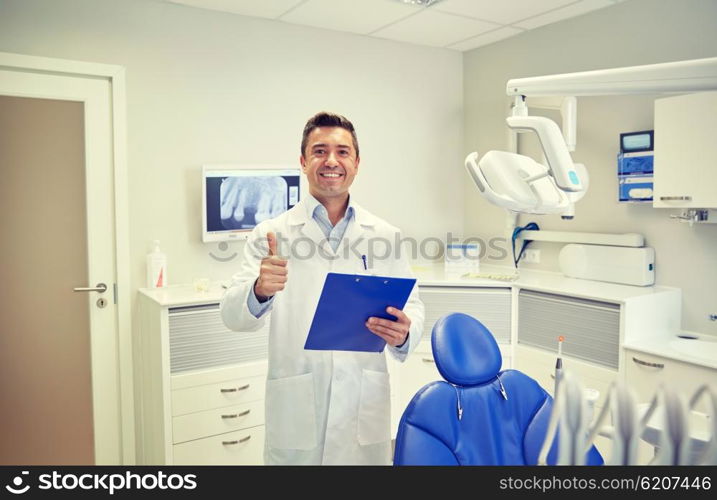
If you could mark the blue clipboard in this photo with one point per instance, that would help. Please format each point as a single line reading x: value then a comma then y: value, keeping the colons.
x: 346, y: 302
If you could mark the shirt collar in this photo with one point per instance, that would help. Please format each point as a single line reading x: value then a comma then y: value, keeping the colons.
x: 314, y: 208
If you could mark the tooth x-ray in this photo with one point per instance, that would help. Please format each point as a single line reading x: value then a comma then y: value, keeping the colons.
x: 237, y: 198
x: 247, y: 201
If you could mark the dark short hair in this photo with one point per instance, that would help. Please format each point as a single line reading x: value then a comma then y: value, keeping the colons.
x: 325, y: 119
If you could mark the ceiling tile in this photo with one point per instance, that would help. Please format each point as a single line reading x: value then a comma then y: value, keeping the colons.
x: 350, y: 15
x: 435, y: 28
x: 573, y: 10
x: 257, y: 8
x: 486, y: 38
x: 502, y: 12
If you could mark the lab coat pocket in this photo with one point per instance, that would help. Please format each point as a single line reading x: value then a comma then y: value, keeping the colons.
x: 374, y: 420
x: 291, y: 413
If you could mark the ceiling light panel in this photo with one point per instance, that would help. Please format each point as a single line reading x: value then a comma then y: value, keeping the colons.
x: 255, y: 8
x: 573, y: 10
x: 486, y: 38
x: 503, y: 11
x: 353, y: 16
x: 435, y: 28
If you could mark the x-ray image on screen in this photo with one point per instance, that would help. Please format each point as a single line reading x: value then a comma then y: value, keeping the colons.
x: 235, y: 198
x: 247, y: 201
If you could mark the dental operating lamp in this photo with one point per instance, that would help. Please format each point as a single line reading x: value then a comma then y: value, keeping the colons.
x: 521, y: 184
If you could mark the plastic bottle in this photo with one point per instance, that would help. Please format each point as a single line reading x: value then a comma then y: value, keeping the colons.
x: 156, y: 267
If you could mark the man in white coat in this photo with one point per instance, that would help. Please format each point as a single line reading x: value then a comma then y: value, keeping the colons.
x: 322, y: 407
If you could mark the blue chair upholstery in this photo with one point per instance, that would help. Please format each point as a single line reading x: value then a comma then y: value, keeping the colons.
x: 466, y: 420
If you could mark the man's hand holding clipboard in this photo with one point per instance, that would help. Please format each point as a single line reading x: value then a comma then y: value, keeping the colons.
x: 394, y: 333
x: 374, y: 318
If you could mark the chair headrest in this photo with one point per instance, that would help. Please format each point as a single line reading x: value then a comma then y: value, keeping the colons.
x: 465, y: 351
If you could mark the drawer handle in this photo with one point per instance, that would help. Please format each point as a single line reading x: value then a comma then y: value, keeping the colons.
x: 676, y: 198
x: 647, y: 363
x: 237, y: 441
x: 235, y: 389
x: 237, y: 415
x: 428, y: 360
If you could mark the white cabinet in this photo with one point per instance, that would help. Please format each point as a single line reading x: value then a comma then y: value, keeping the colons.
x: 646, y: 372
x: 219, y: 422
x: 200, y: 386
x: 540, y: 365
x: 591, y: 330
x: 686, y: 151
x: 591, y: 349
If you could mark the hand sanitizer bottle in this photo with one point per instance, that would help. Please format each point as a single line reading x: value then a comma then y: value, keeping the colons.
x: 156, y: 267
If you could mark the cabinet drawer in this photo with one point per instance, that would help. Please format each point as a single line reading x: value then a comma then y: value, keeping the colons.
x: 684, y: 378
x: 217, y: 421
x: 540, y: 365
x: 221, y: 394
x: 245, y: 447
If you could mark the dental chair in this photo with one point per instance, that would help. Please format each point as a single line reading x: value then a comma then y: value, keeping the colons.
x: 479, y: 415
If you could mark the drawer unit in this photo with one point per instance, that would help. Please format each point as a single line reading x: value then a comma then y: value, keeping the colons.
x: 207, y: 417
x: 645, y: 373
x: 230, y: 392
x: 245, y: 447
x: 202, y: 397
x: 218, y: 421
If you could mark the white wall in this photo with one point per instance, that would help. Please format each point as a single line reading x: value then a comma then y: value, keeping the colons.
x: 205, y: 86
x: 630, y: 33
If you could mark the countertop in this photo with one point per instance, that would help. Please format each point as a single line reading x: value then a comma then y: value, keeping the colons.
x: 545, y: 281
x: 434, y: 276
x: 679, y: 349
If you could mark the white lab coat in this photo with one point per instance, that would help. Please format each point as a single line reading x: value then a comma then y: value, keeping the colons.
x: 322, y: 407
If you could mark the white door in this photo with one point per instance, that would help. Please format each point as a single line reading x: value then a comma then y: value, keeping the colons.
x: 59, y: 348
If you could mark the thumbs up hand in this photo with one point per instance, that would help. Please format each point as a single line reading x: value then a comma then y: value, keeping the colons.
x: 272, y: 272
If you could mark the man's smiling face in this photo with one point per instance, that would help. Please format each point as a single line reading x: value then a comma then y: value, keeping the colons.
x: 329, y: 162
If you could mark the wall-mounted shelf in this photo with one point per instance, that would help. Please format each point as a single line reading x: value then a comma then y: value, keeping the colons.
x: 619, y: 240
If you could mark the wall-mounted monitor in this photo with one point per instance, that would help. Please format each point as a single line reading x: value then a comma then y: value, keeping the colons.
x: 235, y: 198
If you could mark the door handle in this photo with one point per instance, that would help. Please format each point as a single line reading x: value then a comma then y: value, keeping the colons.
x: 99, y: 287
